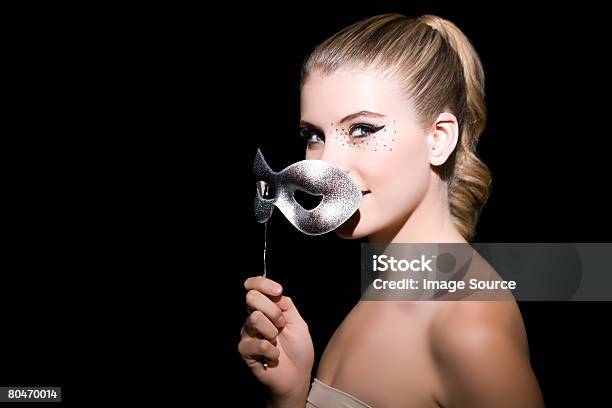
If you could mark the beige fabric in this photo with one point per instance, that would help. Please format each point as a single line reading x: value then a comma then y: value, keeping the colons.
x: 323, y: 396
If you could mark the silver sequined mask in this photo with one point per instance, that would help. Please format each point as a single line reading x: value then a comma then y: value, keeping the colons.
x: 341, y: 196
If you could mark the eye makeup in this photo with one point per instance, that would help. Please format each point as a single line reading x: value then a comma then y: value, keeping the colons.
x: 366, y: 135
x: 361, y: 134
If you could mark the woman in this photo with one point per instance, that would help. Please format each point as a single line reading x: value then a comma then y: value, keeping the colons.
x: 398, y: 104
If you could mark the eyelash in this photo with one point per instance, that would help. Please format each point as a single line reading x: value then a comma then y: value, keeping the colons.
x: 307, y: 133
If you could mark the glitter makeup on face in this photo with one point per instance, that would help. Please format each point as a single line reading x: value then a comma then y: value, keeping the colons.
x: 381, y: 140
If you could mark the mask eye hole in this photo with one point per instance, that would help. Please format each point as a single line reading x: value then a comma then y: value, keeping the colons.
x: 266, y: 190
x: 306, y: 200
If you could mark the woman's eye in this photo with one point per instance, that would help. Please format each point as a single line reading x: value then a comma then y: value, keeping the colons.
x: 362, y: 130
x: 310, y: 136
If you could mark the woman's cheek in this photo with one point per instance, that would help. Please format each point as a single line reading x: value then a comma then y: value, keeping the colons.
x: 402, y: 179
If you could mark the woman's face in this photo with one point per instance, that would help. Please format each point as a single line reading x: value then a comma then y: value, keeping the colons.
x: 362, y: 123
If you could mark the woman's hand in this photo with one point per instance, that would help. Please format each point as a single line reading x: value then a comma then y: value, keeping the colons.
x: 275, y: 331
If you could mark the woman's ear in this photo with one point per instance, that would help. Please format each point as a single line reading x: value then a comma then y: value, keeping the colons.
x: 443, y: 139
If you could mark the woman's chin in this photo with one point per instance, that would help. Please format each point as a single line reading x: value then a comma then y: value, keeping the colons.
x: 352, y: 228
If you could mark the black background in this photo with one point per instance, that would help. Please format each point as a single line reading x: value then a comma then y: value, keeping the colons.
x: 130, y: 186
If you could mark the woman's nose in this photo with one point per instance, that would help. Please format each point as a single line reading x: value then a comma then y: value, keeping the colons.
x: 336, y: 155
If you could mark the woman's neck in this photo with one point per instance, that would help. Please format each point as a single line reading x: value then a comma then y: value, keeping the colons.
x: 430, y: 221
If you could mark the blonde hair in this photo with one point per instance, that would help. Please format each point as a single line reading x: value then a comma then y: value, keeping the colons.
x: 441, y: 72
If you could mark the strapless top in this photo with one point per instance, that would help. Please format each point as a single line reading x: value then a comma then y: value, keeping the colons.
x: 323, y: 396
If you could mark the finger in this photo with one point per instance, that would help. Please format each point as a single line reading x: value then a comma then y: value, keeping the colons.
x: 263, y: 285
x: 258, y: 301
x: 256, y: 349
x: 258, y: 325
x: 290, y: 312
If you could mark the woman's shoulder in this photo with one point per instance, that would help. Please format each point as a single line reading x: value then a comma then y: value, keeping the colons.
x: 463, y: 328
x: 480, y: 353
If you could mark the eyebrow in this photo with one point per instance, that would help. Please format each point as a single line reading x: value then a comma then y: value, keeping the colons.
x: 349, y: 117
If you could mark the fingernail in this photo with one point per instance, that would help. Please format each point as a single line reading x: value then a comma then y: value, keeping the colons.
x: 277, y: 289
x: 281, y: 321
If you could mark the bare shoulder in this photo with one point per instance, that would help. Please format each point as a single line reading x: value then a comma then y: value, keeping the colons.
x: 467, y: 323
x: 482, y: 356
